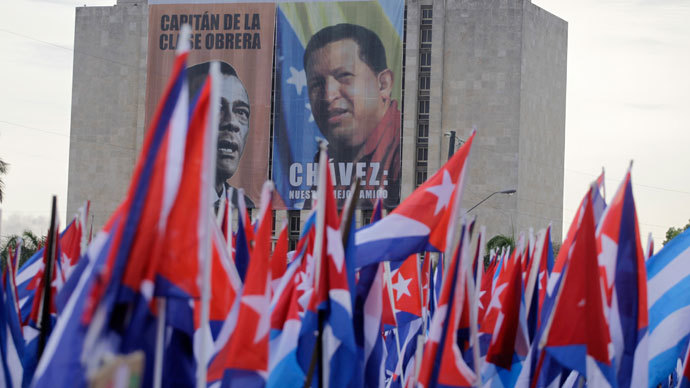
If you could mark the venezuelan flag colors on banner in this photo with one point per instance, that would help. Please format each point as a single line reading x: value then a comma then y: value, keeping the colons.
x: 346, y: 90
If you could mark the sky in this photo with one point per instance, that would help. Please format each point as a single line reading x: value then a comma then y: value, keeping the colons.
x: 628, y: 98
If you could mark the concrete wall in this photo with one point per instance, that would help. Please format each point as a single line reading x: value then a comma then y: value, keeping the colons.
x: 542, y: 120
x: 108, y: 92
x: 482, y: 90
x: 499, y: 66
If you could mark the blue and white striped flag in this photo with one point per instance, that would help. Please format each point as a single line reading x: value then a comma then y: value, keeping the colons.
x: 668, y: 288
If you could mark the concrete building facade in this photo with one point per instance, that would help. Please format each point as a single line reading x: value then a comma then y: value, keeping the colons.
x: 497, y: 66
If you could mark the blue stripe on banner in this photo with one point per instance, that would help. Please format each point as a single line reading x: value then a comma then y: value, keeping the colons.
x: 394, y: 10
x: 668, y: 253
x: 661, y: 366
x: 292, y: 111
x: 673, y: 300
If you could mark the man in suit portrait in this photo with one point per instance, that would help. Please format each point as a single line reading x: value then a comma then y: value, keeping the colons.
x: 233, y: 126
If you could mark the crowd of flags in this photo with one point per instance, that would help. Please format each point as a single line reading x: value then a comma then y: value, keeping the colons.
x: 410, y: 300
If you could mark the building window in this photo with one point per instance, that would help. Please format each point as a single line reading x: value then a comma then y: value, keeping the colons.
x: 273, y: 222
x: 366, y: 216
x: 425, y: 58
x: 426, y: 38
x: 293, y: 231
x: 423, y: 107
x: 423, y: 103
x: 422, y: 130
x: 424, y: 82
x: 420, y: 178
x: 422, y: 154
x: 427, y: 14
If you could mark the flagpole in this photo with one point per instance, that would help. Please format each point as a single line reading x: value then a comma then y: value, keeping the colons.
x: 320, y: 214
x: 348, y: 213
x: 47, y: 280
x: 421, y: 291
x: 316, y: 356
x: 474, y: 302
x: 389, y: 284
x: 228, y: 223
x: 209, y: 162
x: 160, y: 344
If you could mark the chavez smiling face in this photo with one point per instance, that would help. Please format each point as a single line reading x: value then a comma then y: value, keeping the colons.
x: 349, y: 85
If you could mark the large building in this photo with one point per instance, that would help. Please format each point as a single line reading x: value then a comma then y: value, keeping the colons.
x: 497, y: 66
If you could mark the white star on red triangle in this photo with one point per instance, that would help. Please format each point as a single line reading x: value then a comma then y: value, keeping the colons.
x: 443, y: 192
x: 401, y: 287
x: 260, y: 304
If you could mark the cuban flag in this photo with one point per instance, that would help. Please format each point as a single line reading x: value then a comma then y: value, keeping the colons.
x: 279, y: 258
x: 288, y: 306
x: 509, y: 341
x: 623, y: 261
x: 442, y: 364
x: 598, y: 202
x: 668, y: 285
x: 412, y: 227
x: 181, y: 244
x: 226, y: 287
x: 61, y: 363
x: 484, y: 297
x: 38, y: 284
x: 243, y: 238
x: 546, y: 262
x: 122, y: 267
x: 577, y: 333
x: 11, y: 340
x: 492, y: 315
x: 330, y: 309
x: 406, y: 296
x: 368, y: 323
x: 244, y: 360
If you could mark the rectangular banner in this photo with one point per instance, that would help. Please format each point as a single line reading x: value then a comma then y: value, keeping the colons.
x: 338, y: 80
x: 240, y: 36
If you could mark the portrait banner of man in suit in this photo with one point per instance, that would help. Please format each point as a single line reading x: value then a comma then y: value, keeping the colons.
x: 240, y: 37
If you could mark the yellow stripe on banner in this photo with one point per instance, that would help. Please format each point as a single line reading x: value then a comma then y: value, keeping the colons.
x: 307, y: 18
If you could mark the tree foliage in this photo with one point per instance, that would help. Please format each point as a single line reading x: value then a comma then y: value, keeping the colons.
x: 673, y: 232
x: 496, y: 243
x: 30, y: 244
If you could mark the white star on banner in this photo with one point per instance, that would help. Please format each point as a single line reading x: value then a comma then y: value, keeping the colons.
x: 401, y: 287
x: 260, y: 304
x: 311, y: 115
x: 442, y: 191
x: 298, y: 78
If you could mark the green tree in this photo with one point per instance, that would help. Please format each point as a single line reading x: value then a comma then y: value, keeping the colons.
x: 673, y: 232
x: 3, y: 171
x: 496, y: 243
x: 30, y: 244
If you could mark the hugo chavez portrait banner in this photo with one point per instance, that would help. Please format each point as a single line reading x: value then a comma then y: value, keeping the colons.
x: 240, y: 36
x: 338, y: 79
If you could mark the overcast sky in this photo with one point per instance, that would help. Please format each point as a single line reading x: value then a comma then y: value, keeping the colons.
x: 628, y: 98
